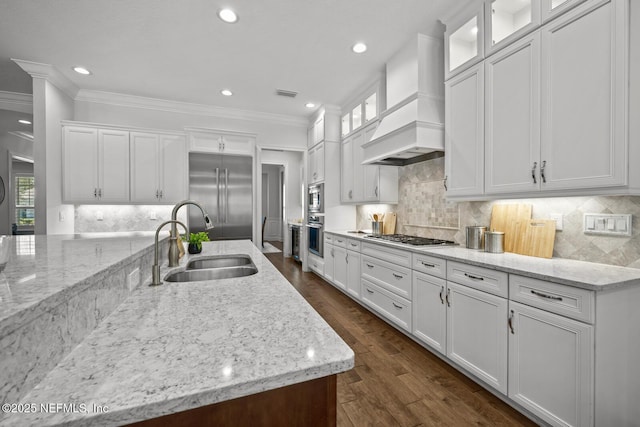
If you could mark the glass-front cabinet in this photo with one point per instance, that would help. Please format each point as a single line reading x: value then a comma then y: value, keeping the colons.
x: 464, y: 40
x: 507, y: 20
x: 365, y: 110
x: 552, y: 8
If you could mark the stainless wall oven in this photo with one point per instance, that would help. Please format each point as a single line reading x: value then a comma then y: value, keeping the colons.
x: 315, y: 227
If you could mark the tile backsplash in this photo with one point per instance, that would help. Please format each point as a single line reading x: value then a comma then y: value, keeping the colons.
x: 123, y: 217
x: 424, y: 211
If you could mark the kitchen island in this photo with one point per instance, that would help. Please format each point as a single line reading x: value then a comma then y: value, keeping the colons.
x: 181, y: 346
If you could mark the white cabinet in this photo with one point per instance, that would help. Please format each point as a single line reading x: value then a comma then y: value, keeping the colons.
x: 318, y: 130
x: 553, y: 8
x: 342, y: 263
x: 551, y: 365
x: 208, y: 141
x: 95, y: 165
x: 329, y: 259
x: 365, y: 183
x: 507, y: 20
x: 316, y: 163
x: 584, y: 102
x: 430, y: 311
x: 158, y: 168
x: 476, y: 334
x: 512, y: 118
x: 316, y: 264
x: 353, y: 273
x: 464, y: 39
x: 340, y: 267
x: 464, y: 138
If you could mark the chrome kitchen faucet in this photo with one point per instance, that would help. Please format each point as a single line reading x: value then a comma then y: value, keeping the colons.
x: 155, y: 270
x: 174, y: 257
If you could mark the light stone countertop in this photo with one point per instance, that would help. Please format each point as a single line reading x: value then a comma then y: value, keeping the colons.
x: 180, y: 346
x: 45, y: 270
x: 580, y: 274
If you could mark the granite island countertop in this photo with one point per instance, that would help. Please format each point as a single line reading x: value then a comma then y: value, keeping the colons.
x: 180, y: 346
x: 580, y: 274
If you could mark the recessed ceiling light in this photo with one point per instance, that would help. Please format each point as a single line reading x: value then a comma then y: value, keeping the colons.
x: 226, y: 92
x: 309, y: 105
x: 359, y: 48
x: 81, y: 70
x: 228, y: 15
x: 24, y: 122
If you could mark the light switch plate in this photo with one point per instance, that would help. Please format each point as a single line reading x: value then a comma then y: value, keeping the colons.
x: 558, y: 217
x: 607, y: 224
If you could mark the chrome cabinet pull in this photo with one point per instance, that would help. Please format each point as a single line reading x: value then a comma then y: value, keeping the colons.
x: 346, y: 258
x: 100, y: 192
x: 161, y: 194
x: 551, y: 297
x: 510, y: 322
x: 95, y: 192
x: 441, y: 292
x: 157, y: 192
x: 351, y: 194
x: 542, y: 167
x: 369, y: 290
x: 426, y: 264
x: 533, y: 172
x: 473, y: 277
x: 353, y: 244
x: 444, y: 182
x: 368, y: 265
x: 375, y: 191
x: 340, y: 241
x: 399, y: 307
x: 397, y: 276
x: 332, y: 253
x: 447, y: 298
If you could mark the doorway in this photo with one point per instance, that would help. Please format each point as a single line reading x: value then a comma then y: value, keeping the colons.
x: 273, y: 201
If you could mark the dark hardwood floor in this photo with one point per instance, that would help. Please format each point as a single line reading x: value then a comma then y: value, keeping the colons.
x: 395, y: 381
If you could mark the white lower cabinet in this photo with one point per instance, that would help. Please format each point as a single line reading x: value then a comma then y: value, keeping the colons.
x: 476, y: 333
x: 329, y: 260
x: 551, y: 365
x: 316, y: 264
x: 340, y: 267
x: 353, y: 274
x: 342, y: 263
x: 430, y: 311
x: 394, y: 308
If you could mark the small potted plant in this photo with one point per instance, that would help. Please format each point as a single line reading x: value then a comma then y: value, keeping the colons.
x: 195, y: 242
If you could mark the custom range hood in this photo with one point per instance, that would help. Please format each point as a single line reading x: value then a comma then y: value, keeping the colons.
x: 412, y: 127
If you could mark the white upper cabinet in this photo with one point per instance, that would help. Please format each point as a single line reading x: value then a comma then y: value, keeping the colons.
x: 512, y: 118
x: 552, y: 8
x: 584, y: 97
x: 464, y: 40
x: 158, y: 168
x: 507, y: 20
x: 464, y: 139
x: 95, y: 165
x: 205, y: 141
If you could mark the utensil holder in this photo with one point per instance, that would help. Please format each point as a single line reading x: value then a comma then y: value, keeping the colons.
x: 494, y: 242
x: 475, y: 237
x: 376, y: 228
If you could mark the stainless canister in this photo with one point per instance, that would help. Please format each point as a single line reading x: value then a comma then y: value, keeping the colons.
x: 475, y: 236
x: 376, y: 228
x: 493, y: 242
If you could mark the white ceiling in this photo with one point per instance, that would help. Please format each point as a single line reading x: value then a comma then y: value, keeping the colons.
x: 179, y: 50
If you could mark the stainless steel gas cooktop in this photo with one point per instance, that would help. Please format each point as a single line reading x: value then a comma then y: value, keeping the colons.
x: 413, y: 240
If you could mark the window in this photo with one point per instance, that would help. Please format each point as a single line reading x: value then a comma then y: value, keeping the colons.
x: 25, y: 195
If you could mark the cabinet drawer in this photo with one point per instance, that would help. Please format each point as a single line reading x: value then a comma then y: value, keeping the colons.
x: 353, y: 245
x: 390, y: 276
x: 483, y: 279
x: 329, y: 238
x: 565, y: 300
x: 393, y: 307
x: 340, y: 241
x: 396, y: 256
x: 430, y: 265
x: 316, y: 264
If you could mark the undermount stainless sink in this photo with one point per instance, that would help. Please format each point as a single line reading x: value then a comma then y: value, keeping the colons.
x: 219, y: 261
x: 211, y: 273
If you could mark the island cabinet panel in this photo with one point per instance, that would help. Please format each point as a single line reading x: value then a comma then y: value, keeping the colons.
x: 311, y: 403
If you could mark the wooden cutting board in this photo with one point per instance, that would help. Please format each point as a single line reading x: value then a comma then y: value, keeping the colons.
x: 389, y: 225
x: 505, y: 217
x: 536, y: 237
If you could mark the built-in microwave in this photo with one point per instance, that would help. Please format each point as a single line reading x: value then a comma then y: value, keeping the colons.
x: 316, y: 198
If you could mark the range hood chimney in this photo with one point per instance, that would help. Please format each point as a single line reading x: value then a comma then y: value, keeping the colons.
x: 412, y: 127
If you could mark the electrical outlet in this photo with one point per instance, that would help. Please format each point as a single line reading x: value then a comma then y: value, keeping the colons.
x: 99, y: 216
x: 133, y: 279
x: 61, y: 216
x: 559, y: 218
x: 152, y: 215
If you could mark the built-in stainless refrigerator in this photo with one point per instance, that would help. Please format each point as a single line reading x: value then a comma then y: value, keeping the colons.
x: 222, y: 184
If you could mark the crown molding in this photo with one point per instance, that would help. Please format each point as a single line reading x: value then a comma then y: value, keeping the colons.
x: 133, y: 101
x: 13, y: 101
x: 48, y: 72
